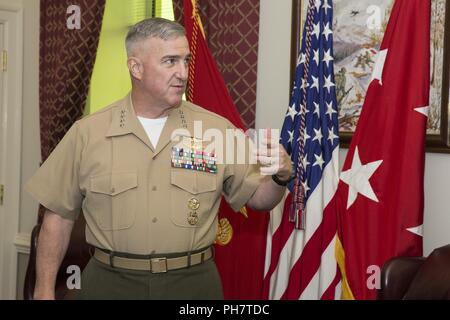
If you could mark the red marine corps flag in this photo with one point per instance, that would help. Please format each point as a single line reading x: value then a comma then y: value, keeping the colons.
x: 239, y: 254
x: 381, y: 185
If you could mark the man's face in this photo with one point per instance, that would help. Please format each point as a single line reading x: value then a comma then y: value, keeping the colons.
x: 164, y: 71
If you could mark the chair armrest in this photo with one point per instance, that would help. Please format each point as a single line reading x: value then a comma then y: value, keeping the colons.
x: 396, y: 276
x: 432, y: 281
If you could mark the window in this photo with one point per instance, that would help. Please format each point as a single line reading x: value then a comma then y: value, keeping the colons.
x: 110, y: 78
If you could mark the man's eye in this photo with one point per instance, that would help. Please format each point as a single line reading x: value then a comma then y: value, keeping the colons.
x: 170, y: 61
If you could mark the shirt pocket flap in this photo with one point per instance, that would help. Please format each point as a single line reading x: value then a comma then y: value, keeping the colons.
x: 114, y: 184
x: 194, y: 182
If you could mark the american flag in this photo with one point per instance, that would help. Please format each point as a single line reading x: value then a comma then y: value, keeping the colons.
x: 300, y: 259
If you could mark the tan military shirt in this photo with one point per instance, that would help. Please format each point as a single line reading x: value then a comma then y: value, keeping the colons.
x: 137, y: 198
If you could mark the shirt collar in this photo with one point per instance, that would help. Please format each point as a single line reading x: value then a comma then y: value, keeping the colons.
x: 124, y: 121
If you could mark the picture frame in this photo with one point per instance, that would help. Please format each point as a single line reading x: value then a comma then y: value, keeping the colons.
x: 438, y: 127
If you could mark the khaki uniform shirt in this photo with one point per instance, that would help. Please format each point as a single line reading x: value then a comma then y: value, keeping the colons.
x: 133, y: 198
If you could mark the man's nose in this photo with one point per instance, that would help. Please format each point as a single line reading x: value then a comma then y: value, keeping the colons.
x: 183, y: 71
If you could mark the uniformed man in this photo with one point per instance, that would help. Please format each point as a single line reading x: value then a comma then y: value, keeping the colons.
x: 147, y: 187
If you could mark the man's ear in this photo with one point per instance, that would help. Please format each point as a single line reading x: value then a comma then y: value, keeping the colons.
x: 135, y: 67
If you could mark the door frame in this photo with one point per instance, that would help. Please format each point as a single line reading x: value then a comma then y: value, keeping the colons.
x: 11, y: 133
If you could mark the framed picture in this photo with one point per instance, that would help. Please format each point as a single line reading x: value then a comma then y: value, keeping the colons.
x: 358, y: 30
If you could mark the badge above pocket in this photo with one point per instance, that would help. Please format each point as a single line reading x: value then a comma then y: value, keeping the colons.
x: 191, y: 156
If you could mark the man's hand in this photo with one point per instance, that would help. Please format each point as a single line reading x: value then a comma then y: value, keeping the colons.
x: 39, y: 295
x: 273, y: 157
x: 274, y: 160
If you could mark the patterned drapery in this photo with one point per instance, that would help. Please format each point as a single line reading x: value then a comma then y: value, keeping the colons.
x: 232, y: 29
x: 66, y: 61
x: 67, y: 57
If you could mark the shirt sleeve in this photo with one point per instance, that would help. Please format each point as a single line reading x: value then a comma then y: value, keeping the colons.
x: 56, y: 183
x: 242, y: 178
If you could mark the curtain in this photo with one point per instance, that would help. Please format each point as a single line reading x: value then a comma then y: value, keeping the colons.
x: 232, y: 29
x: 67, y: 59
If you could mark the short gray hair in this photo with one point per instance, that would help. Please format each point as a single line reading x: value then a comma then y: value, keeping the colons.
x: 153, y: 28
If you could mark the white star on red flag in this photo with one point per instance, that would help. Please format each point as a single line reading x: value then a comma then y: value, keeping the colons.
x: 357, y: 179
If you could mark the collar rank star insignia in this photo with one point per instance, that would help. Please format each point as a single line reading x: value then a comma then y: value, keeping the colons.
x: 192, y: 157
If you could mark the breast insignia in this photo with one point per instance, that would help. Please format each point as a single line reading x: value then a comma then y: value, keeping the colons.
x: 193, y: 205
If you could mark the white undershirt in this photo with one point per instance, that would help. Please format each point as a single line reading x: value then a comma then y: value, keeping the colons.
x: 153, y: 127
